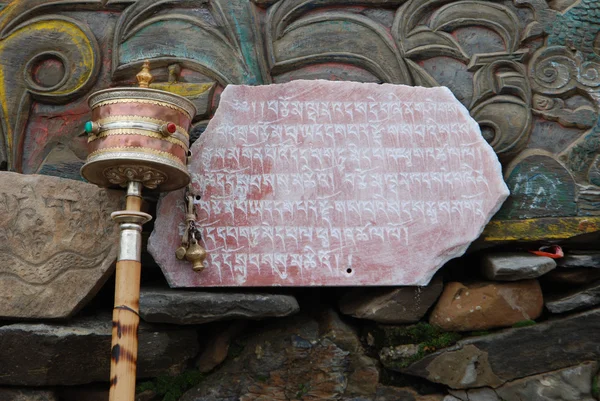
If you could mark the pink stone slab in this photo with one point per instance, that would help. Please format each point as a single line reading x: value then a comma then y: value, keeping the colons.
x: 332, y: 183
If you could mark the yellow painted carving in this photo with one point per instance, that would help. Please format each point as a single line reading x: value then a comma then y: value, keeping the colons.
x: 80, y: 45
x: 550, y: 228
x: 189, y: 90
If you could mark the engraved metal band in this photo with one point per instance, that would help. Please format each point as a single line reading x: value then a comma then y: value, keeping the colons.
x: 139, y: 95
x: 130, y: 247
x: 103, y: 121
x: 136, y: 152
x: 176, y: 138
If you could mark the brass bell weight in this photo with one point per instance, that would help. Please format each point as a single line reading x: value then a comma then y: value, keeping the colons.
x: 189, y: 249
x: 196, y: 255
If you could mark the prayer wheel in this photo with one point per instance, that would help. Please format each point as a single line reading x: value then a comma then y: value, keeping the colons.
x: 138, y: 134
x: 138, y: 137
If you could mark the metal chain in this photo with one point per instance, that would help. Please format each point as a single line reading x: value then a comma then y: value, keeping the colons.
x: 189, y: 249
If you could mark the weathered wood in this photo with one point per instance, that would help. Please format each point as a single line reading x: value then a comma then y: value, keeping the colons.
x: 126, y: 320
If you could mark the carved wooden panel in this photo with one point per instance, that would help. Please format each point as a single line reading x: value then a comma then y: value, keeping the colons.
x: 527, y: 70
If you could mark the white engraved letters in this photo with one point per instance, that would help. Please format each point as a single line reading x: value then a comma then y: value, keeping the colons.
x: 324, y: 185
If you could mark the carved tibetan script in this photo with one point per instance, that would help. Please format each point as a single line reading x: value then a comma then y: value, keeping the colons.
x: 331, y: 183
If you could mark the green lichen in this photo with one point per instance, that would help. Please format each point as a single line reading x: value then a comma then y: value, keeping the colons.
x: 172, y: 388
x: 524, y: 323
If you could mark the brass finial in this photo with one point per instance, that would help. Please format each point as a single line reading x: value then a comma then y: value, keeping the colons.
x: 144, y: 77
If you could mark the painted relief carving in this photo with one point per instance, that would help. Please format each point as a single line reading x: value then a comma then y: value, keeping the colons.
x: 529, y: 74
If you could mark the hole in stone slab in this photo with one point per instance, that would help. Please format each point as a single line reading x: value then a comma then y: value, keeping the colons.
x: 349, y: 271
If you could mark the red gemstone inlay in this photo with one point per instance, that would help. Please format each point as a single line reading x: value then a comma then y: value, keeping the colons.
x: 171, y: 128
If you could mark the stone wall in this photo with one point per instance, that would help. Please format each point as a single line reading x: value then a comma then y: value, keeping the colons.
x: 497, y: 324
x: 491, y: 325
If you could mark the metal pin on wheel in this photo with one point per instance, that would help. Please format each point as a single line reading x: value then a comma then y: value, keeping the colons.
x: 144, y: 144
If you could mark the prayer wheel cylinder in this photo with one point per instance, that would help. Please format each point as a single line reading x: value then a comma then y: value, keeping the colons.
x: 138, y: 134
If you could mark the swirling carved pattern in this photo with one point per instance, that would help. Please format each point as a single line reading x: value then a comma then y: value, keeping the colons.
x: 556, y: 70
x: 121, y: 175
x: 30, y: 46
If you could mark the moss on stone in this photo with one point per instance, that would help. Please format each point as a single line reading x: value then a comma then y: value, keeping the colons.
x: 303, y: 389
x: 478, y: 333
x: 596, y: 387
x: 236, y: 347
x: 415, y: 334
x: 261, y: 378
x: 524, y: 323
x: 172, y: 388
x: 428, y: 338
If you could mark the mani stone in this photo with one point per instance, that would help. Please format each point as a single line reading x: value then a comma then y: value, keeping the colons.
x: 78, y: 352
x: 487, y: 305
x: 392, y: 306
x: 188, y: 307
x: 332, y: 183
x: 57, y: 244
x: 574, y: 300
x: 515, y: 266
x: 495, y: 359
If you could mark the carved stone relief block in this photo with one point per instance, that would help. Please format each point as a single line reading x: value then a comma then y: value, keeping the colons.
x: 57, y: 244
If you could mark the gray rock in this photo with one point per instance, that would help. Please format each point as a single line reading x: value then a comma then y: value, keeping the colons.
x: 569, y: 384
x: 494, y: 359
x: 515, y: 266
x: 78, y: 352
x: 573, y: 275
x: 580, y: 259
x: 579, y: 299
x: 93, y: 392
x: 195, y: 307
x: 390, y: 393
x: 299, y: 357
x: 478, y: 394
x: 13, y: 394
x: 396, y: 305
x: 58, y: 244
x: 399, y: 352
x: 217, y: 345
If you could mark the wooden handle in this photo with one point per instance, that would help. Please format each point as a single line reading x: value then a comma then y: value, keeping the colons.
x: 125, y: 323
